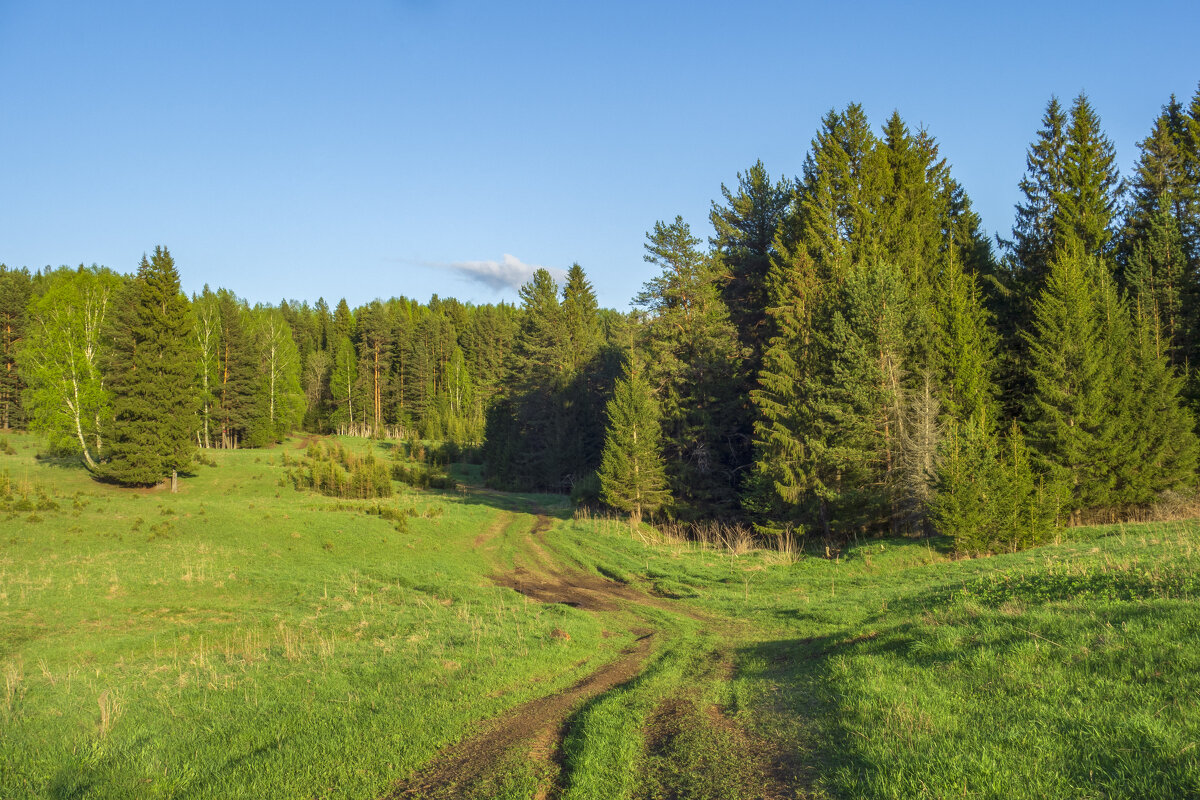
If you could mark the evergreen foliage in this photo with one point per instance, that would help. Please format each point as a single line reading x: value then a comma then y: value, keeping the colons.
x: 632, y: 475
x: 151, y: 375
x: 989, y: 498
x: 15, y: 290
x: 692, y: 355
x: 338, y: 472
x: 845, y: 356
x: 236, y: 366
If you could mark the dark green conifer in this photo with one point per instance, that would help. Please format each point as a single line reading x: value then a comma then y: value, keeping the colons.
x: 236, y: 372
x: 965, y: 349
x: 692, y: 359
x: 1033, y: 240
x: 632, y: 475
x: 1071, y: 423
x: 779, y: 433
x: 152, y: 379
x: 1159, y: 450
x: 15, y: 290
x: 746, y: 227
x: 1086, y: 204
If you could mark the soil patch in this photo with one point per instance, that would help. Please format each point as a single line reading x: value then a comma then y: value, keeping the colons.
x: 540, y: 721
x: 544, y: 579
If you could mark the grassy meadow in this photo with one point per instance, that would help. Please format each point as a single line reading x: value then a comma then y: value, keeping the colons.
x: 242, y: 639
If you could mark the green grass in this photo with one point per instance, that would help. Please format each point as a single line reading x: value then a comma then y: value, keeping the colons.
x: 243, y: 639
x: 1068, y: 671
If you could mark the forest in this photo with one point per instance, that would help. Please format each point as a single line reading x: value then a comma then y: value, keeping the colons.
x: 848, y: 353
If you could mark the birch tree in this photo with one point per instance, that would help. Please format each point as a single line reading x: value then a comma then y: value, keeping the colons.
x: 62, y: 357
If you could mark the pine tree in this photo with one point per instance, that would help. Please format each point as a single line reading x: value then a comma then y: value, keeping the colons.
x: 632, y: 475
x: 15, y: 290
x: 153, y: 379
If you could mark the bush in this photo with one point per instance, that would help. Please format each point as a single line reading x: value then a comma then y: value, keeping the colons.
x: 336, y: 472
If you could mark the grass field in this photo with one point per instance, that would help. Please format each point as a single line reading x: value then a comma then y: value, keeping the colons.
x: 245, y: 639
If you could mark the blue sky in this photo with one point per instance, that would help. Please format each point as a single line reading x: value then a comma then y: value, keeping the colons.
x: 370, y: 149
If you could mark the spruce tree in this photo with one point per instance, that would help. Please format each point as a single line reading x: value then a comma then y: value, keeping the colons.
x: 1033, y: 237
x: 1159, y: 449
x: 1086, y: 203
x: 965, y: 349
x: 236, y: 372
x: 693, y: 352
x: 632, y: 475
x: 779, y: 434
x: 746, y: 227
x: 583, y: 397
x: 153, y: 379
x: 1071, y: 423
x: 15, y: 290
x: 853, y: 396
x: 1158, y: 265
x: 845, y: 180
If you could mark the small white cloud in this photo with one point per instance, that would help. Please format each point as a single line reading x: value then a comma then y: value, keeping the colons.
x: 508, y: 273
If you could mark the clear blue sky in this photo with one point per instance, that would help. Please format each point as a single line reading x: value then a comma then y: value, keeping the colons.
x: 361, y: 149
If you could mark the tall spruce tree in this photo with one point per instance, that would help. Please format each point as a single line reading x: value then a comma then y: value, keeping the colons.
x: 152, y: 379
x: 779, y: 432
x: 632, y: 474
x: 1071, y: 423
x: 693, y: 353
x: 1158, y: 449
x: 965, y: 349
x: 852, y: 397
x: 15, y: 290
x: 1086, y: 204
x: 236, y: 372
x: 1158, y: 265
x: 1034, y: 232
x: 746, y: 226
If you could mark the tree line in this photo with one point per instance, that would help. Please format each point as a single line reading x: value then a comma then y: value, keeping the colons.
x: 847, y: 352
x: 850, y: 353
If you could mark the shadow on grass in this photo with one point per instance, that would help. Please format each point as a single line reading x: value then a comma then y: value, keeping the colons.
x: 829, y: 741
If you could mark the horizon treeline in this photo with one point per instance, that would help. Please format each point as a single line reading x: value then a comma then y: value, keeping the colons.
x: 847, y: 353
